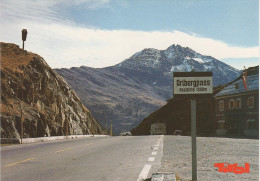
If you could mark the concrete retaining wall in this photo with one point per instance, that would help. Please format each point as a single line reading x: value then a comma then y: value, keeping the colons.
x: 42, y: 139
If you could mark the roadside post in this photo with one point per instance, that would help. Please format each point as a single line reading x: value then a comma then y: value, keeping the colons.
x: 67, y: 125
x: 21, y: 108
x: 192, y: 86
x: 24, y: 35
x: 111, y: 129
x: 22, y: 115
x: 106, y: 126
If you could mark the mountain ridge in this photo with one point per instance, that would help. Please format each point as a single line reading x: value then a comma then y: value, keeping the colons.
x: 129, y: 91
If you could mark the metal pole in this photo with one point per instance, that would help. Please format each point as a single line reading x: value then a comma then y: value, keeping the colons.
x: 23, y: 45
x: 69, y: 121
x: 37, y: 127
x: 193, y: 139
x: 22, y: 113
x: 67, y: 126
x: 111, y: 128
x: 21, y: 123
x: 106, y: 127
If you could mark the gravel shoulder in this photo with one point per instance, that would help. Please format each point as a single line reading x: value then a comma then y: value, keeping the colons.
x: 177, y: 157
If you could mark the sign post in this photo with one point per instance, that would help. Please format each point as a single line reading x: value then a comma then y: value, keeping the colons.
x: 192, y: 85
x: 193, y: 139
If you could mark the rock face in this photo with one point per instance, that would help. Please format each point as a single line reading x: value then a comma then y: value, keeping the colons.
x: 32, y: 90
x: 130, y: 91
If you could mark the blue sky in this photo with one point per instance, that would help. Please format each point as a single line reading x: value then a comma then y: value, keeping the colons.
x: 233, y: 21
x: 101, y: 33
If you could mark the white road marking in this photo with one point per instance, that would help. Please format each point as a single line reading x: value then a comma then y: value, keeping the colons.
x: 144, y: 173
x: 154, y: 152
x: 151, y: 159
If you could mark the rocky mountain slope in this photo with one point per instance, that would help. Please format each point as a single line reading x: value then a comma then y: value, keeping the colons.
x: 129, y: 91
x: 46, y: 100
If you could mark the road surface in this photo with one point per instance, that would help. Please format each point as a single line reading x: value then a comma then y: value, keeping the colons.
x: 210, y: 150
x: 90, y: 159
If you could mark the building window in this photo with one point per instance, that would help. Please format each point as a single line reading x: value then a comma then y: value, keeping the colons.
x: 221, y: 124
x: 231, y: 104
x: 221, y: 105
x: 250, y: 124
x: 236, y: 86
x: 238, y: 103
x: 250, y: 102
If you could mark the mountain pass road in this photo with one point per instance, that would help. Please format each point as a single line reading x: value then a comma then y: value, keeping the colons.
x: 132, y: 158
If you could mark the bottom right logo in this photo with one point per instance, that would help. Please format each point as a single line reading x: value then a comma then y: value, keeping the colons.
x: 226, y: 167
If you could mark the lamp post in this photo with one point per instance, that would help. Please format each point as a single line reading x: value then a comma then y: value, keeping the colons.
x: 24, y: 35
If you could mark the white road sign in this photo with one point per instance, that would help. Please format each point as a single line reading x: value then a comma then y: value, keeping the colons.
x: 192, y: 85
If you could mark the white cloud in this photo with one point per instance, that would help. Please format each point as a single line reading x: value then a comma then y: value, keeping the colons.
x: 65, y: 44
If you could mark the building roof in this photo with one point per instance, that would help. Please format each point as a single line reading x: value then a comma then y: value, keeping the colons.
x: 252, y: 85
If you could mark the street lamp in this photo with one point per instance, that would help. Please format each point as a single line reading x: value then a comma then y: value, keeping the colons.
x: 24, y: 35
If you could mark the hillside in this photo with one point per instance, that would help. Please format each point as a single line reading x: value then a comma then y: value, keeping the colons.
x: 176, y: 115
x: 31, y: 88
x: 131, y: 90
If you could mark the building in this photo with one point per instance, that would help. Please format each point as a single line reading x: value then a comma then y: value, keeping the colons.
x: 158, y: 129
x: 237, y: 108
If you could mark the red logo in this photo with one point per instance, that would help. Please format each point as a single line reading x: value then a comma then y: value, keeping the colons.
x: 225, y: 167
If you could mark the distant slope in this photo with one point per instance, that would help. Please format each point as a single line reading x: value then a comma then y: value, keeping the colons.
x: 47, y: 101
x: 113, y: 96
x: 176, y: 115
x: 128, y: 92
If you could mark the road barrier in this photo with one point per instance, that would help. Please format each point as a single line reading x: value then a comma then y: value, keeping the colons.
x: 42, y: 139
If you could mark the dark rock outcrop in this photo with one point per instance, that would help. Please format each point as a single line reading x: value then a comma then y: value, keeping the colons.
x: 46, y: 100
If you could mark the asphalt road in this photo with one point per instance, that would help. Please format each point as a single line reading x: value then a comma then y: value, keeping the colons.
x: 90, y: 159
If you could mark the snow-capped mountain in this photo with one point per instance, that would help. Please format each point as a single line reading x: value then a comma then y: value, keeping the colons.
x: 129, y: 91
x: 179, y: 59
